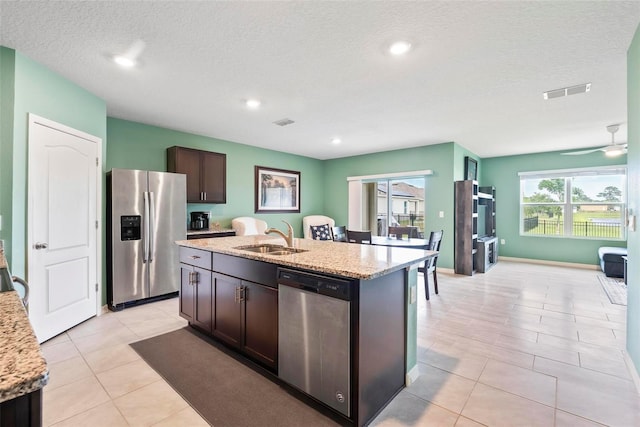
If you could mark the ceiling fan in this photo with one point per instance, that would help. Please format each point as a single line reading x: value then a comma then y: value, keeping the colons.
x: 612, y: 150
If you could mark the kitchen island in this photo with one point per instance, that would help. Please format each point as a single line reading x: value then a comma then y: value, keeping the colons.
x: 252, y: 296
x: 23, y: 369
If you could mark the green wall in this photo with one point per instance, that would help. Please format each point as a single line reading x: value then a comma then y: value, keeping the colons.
x: 502, y: 173
x: 7, y: 83
x: 439, y: 190
x: 633, y: 241
x: 137, y: 146
x: 40, y: 91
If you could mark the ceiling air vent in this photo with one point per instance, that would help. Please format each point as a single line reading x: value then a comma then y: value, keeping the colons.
x: 284, y: 122
x: 566, y: 91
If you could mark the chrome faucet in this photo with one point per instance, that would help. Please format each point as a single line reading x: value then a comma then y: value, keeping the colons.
x: 288, y: 237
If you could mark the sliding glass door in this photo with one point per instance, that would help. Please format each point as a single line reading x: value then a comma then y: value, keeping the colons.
x: 399, y: 202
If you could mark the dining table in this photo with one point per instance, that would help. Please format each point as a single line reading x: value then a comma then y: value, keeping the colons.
x: 414, y: 243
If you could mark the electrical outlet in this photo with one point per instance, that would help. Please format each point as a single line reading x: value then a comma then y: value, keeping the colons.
x: 412, y: 295
x: 502, y: 241
x: 441, y: 214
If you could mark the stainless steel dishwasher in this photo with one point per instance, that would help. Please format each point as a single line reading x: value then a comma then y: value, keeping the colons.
x: 314, y: 336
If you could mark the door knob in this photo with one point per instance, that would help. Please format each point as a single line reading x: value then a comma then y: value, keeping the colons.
x: 40, y: 246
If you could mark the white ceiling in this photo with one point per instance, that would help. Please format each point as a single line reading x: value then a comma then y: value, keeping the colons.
x: 475, y: 76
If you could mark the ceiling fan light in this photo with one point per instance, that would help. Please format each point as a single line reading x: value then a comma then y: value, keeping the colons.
x: 613, y: 151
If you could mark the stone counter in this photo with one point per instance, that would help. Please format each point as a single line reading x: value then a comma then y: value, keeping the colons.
x: 23, y: 369
x: 350, y: 260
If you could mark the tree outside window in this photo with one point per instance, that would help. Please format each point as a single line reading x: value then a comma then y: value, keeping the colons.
x: 594, y: 210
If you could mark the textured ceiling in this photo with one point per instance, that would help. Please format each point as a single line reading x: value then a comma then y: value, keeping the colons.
x: 475, y: 75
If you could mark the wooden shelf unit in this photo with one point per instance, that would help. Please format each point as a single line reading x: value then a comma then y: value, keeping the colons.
x: 471, y: 254
x: 466, y: 227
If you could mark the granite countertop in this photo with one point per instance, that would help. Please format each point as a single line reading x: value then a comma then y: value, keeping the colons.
x: 23, y: 369
x: 342, y: 259
x: 196, y: 232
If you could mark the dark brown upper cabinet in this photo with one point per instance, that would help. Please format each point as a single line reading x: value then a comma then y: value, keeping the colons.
x: 206, y: 173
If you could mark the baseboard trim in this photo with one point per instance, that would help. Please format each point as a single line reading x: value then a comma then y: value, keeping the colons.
x: 411, y: 376
x: 548, y: 262
x: 631, y: 367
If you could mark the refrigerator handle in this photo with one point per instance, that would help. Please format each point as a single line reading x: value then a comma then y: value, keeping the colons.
x: 145, y: 228
x: 152, y: 223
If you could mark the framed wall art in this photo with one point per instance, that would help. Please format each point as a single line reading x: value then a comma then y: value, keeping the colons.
x: 277, y: 190
x: 470, y: 168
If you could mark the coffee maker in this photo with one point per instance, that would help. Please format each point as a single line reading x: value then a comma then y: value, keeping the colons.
x: 199, y: 221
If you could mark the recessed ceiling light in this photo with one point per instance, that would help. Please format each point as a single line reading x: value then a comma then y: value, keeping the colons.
x: 124, y: 61
x: 400, y: 48
x: 336, y: 141
x: 253, y: 103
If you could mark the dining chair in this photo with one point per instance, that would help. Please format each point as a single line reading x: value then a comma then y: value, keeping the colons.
x: 359, y: 237
x: 248, y: 226
x: 435, y: 238
x: 316, y: 220
x: 410, y: 231
x: 339, y: 233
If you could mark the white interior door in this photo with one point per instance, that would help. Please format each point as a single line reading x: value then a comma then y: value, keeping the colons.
x: 63, y: 238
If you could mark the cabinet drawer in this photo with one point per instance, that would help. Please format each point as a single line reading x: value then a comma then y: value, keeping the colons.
x: 197, y: 257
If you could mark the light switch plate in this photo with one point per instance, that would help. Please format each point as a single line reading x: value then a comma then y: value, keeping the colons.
x: 412, y: 295
x: 441, y: 214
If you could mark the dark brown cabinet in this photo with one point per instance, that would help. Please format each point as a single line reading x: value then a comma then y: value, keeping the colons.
x: 206, y: 173
x: 196, y: 290
x: 232, y: 307
x: 475, y: 242
x: 226, y: 323
x: 466, y: 227
x: 196, y: 294
x: 187, y: 293
x: 260, y: 321
x: 246, y: 317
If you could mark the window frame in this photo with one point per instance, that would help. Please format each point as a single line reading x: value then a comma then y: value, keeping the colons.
x: 567, y: 205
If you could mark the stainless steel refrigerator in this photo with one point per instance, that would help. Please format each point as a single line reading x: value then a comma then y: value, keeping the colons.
x: 146, y: 214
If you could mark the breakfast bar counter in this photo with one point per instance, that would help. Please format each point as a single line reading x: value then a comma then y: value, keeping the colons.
x: 335, y: 321
x: 23, y: 369
x: 323, y: 256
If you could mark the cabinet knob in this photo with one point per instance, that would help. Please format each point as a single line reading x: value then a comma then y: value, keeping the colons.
x: 39, y: 246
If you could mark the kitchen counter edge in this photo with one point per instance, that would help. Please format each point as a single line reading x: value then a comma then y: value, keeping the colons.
x: 23, y: 368
x: 336, y: 258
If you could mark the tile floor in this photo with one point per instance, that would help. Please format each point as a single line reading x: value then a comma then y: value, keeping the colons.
x: 521, y: 345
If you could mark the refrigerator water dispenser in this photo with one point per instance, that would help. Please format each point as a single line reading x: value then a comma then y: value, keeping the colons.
x: 130, y: 226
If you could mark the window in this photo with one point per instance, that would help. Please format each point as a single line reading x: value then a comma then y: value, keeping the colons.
x: 403, y: 206
x: 584, y: 203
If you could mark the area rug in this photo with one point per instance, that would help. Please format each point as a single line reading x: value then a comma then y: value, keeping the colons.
x: 224, y: 388
x: 615, y: 289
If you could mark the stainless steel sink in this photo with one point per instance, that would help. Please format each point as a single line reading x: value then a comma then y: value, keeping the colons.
x: 270, y: 249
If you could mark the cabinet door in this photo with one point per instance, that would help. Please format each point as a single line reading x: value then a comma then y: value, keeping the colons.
x: 213, y: 179
x: 184, y: 160
x: 187, y: 292
x: 226, y: 309
x: 261, y: 322
x: 203, y: 299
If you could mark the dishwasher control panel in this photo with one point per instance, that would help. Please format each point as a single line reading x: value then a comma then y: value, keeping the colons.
x: 317, y: 283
